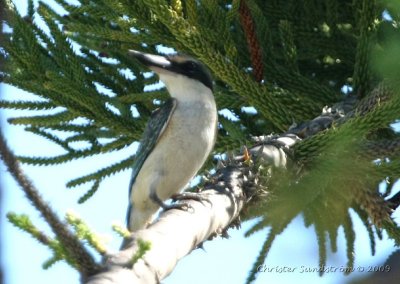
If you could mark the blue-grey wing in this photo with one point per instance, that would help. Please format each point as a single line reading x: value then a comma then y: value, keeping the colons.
x: 151, y: 135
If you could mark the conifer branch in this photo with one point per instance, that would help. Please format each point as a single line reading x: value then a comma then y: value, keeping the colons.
x: 81, y: 257
x: 307, y: 65
x: 247, y: 178
x: 362, y: 70
x: 24, y: 223
x: 27, y: 105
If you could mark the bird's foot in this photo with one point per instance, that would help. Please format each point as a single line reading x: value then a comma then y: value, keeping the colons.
x: 190, y: 195
x: 180, y: 206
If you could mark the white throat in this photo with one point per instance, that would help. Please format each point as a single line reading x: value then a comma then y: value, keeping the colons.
x: 185, y: 89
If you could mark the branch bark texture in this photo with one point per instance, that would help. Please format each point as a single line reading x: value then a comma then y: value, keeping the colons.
x: 176, y: 233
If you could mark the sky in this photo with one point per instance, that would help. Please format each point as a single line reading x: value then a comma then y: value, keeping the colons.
x: 221, y: 260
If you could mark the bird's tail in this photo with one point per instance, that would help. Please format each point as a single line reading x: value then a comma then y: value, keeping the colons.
x: 139, y: 219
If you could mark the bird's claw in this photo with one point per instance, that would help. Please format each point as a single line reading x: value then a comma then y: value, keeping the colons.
x: 190, y: 195
x: 181, y: 206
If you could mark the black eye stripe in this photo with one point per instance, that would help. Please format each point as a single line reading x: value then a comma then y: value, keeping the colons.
x: 192, y: 69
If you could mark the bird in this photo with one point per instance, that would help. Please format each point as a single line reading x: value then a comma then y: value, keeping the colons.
x: 177, y: 139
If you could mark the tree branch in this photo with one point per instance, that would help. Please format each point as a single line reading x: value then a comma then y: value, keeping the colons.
x: 173, y: 235
x: 82, y: 259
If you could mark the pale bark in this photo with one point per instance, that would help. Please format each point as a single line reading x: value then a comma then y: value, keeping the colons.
x: 176, y: 233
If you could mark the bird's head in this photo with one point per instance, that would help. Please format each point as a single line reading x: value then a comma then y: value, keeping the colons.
x: 178, y: 72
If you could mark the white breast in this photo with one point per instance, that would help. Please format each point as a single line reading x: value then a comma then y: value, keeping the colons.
x: 182, y: 149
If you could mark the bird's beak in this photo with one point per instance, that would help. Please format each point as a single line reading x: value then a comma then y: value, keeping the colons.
x: 156, y: 63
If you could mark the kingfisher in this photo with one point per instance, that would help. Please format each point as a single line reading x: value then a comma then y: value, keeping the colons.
x: 177, y: 140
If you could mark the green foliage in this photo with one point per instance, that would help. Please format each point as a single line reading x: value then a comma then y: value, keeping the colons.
x: 87, y: 48
x: 143, y: 248
x: 24, y: 223
x: 87, y: 86
x: 121, y: 230
x: 85, y: 233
